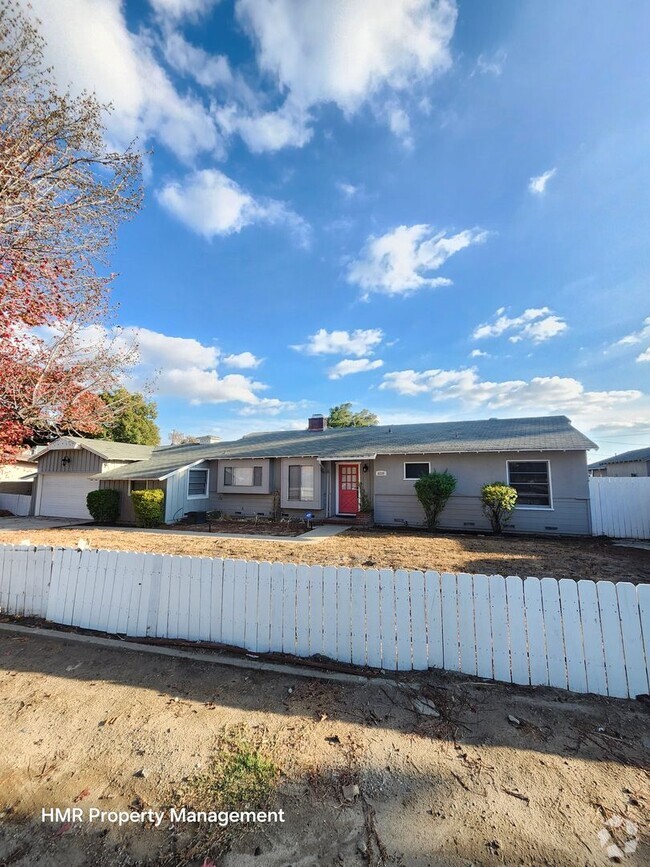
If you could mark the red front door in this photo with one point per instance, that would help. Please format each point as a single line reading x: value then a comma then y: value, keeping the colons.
x: 348, y: 489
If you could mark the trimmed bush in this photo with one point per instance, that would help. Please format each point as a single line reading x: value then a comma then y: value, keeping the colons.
x: 104, y: 505
x: 498, y: 501
x: 433, y: 491
x: 148, y: 507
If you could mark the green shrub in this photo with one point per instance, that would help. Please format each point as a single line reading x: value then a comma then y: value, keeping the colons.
x: 498, y: 501
x: 104, y: 505
x: 148, y: 507
x: 433, y: 491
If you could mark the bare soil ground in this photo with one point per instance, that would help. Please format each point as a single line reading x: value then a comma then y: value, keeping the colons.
x: 118, y: 730
x: 575, y: 557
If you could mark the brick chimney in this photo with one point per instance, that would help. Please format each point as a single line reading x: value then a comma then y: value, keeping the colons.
x: 317, y: 422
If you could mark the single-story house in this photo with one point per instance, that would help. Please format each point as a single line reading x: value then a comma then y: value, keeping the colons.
x: 67, y: 469
x: 323, y: 471
x: 632, y: 463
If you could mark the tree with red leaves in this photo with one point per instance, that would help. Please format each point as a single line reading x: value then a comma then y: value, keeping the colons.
x: 62, y: 196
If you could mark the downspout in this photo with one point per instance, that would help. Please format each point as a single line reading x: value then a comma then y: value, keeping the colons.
x: 327, y: 486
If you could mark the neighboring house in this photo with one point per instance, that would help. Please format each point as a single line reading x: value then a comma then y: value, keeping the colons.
x: 633, y: 463
x: 321, y: 470
x: 16, y: 484
x: 67, y: 470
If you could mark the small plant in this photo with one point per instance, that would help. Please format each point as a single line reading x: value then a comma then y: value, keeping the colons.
x: 433, y: 491
x: 148, y: 507
x: 498, y: 501
x: 365, y: 503
x: 104, y: 505
x: 241, y: 775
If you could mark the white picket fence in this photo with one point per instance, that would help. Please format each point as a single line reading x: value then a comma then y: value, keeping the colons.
x: 582, y: 636
x: 620, y: 507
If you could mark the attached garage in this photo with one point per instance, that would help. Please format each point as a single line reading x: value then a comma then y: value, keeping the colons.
x: 68, y: 470
x: 64, y: 496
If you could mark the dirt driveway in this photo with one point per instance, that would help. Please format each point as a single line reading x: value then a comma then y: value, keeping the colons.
x: 503, y: 776
x: 575, y: 557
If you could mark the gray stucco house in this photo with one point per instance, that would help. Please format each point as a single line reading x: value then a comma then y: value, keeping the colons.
x: 632, y: 463
x: 322, y: 470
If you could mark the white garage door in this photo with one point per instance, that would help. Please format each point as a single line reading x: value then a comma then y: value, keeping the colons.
x: 63, y: 495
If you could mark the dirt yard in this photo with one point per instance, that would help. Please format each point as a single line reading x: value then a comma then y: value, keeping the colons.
x: 596, y: 559
x: 246, y: 528
x: 504, y: 775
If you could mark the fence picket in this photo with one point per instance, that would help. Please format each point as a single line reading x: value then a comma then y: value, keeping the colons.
x: 612, y: 640
x: 535, y: 629
x: 582, y: 636
x: 620, y: 507
x: 483, y: 626
x: 302, y: 611
x: 466, y: 633
x: 572, y: 628
x: 499, y: 620
x: 557, y: 675
x: 628, y: 606
x: 387, y: 618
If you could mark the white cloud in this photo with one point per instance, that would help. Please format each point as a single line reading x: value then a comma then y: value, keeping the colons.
x: 535, y: 323
x: 537, y: 185
x: 636, y: 336
x: 209, y: 70
x: 486, y: 65
x: 478, y: 353
x: 345, y: 52
x: 541, y: 394
x: 210, y: 203
x: 644, y: 356
x: 349, y: 191
x: 242, y: 361
x: 177, y: 9
x: 90, y: 47
x: 360, y: 342
x: 353, y: 365
x: 401, y: 261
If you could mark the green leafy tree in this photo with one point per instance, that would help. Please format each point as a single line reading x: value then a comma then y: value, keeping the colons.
x: 498, y: 501
x: 433, y: 491
x: 133, y: 418
x: 342, y: 416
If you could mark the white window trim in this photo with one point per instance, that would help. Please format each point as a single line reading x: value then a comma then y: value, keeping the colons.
x: 205, y: 496
x: 528, y: 508
x: 406, y: 478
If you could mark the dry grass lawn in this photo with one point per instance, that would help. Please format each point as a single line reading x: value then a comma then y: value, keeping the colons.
x: 595, y: 559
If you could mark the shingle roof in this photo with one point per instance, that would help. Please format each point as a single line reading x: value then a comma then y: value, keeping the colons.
x: 486, y: 435
x: 107, y: 449
x: 634, y: 455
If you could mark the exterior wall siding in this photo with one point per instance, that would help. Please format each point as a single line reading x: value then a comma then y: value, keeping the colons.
x: 628, y: 468
x: 81, y: 461
x: 396, y: 502
x: 177, y: 502
x: 217, y: 467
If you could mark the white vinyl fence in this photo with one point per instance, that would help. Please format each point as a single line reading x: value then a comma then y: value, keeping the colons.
x: 17, y: 503
x: 582, y: 636
x: 620, y: 507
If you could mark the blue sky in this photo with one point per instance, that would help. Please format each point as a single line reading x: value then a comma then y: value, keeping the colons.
x: 435, y: 210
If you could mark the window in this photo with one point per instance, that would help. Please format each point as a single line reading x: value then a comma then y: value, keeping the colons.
x: 301, y: 483
x: 197, y: 484
x: 243, y: 477
x: 415, y: 471
x: 532, y: 481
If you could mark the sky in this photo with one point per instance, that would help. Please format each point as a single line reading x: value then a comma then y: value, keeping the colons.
x: 436, y: 210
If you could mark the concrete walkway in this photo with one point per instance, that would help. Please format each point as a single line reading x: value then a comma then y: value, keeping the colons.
x: 40, y: 523
x: 311, y: 536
